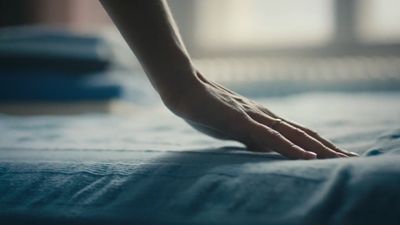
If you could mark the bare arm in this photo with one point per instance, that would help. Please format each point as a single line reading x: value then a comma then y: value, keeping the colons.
x: 149, y: 29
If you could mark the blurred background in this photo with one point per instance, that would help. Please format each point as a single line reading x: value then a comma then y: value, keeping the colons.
x: 69, y: 51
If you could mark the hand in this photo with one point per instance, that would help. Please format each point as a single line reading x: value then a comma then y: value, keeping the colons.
x: 149, y: 30
x: 221, y: 113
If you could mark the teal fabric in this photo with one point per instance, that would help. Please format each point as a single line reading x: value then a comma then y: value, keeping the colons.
x: 57, y: 87
x: 48, y: 64
x: 41, y: 49
x: 155, y: 169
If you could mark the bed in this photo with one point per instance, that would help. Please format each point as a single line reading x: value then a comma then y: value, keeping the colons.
x: 149, y: 167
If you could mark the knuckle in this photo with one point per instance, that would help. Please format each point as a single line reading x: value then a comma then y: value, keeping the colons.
x: 294, y: 148
x: 275, y: 135
x: 299, y: 133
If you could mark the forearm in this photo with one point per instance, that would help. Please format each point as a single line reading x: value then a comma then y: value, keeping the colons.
x: 149, y: 30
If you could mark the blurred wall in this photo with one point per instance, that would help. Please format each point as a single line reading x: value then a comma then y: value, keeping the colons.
x: 16, y: 12
x: 358, y: 25
x: 75, y: 14
x: 72, y: 13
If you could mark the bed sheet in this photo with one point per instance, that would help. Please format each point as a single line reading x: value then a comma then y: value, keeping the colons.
x: 152, y: 168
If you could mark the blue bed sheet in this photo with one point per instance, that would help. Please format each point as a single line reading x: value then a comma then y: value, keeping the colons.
x: 152, y: 168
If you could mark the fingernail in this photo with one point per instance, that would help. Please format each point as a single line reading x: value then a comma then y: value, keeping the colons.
x: 341, y: 155
x: 310, y: 155
x: 354, y: 154
x: 351, y: 153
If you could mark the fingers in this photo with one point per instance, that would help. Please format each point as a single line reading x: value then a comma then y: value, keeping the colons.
x: 267, y: 138
x: 311, y: 133
x: 298, y: 136
x: 302, y: 139
x: 322, y: 140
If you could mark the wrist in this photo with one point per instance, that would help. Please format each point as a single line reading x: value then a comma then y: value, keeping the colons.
x: 178, y: 85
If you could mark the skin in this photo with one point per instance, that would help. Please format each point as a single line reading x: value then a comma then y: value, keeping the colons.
x: 150, y: 31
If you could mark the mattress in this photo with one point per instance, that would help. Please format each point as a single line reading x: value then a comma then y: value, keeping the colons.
x: 149, y: 167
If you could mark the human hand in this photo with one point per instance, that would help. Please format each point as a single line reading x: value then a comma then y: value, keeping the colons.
x: 150, y: 31
x: 221, y: 113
